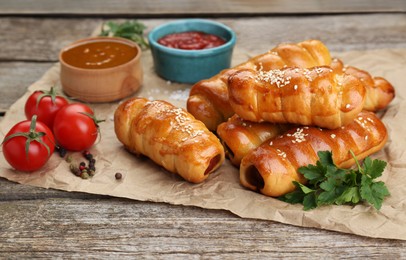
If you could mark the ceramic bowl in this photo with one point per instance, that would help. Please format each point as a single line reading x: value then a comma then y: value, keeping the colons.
x: 190, y: 66
x: 101, y: 84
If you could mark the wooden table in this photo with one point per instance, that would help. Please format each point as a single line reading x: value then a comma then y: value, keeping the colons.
x: 36, y: 222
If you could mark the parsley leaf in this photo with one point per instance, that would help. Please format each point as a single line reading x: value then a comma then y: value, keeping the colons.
x: 132, y: 30
x: 328, y: 184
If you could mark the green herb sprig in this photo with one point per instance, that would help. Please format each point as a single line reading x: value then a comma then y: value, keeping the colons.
x: 328, y: 184
x: 132, y: 30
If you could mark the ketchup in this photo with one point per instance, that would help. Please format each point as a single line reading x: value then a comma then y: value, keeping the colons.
x: 193, y: 40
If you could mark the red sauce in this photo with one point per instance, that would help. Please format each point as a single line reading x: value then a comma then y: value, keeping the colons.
x: 191, y: 40
x: 99, y: 54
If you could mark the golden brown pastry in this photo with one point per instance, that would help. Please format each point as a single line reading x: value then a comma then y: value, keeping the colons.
x: 316, y: 96
x: 170, y: 136
x: 208, y: 99
x: 239, y: 136
x: 379, y: 91
x: 271, y: 168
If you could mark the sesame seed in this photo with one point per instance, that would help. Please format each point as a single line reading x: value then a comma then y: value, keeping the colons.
x: 306, y: 73
x: 281, y: 153
x: 333, y: 136
x: 318, y: 70
x: 370, y: 120
x: 181, y: 120
x: 299, y: 136
x: 274, y: 77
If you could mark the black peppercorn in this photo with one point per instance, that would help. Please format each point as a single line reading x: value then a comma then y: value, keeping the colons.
x: 62, y: 151
x: 118, y: 176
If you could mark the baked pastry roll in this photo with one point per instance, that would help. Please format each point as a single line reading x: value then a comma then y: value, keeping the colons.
x: 379, y: 91
x: 271, y: 168
x: 316, y: 96
x: 239, y: 136
x: 170, y: 136
x: 208, y: 99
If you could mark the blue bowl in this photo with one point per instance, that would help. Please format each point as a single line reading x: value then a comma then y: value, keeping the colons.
x: 191, y: 66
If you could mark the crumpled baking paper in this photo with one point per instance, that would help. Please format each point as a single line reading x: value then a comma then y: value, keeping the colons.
x: 143, y: 180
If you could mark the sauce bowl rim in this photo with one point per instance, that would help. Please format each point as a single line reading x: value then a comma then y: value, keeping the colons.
x: 192, y: 53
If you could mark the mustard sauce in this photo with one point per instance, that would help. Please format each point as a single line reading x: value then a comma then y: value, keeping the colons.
x: 99, y: 54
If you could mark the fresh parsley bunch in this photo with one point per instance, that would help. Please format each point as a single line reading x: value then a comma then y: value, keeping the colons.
x: 132, y: 30
x: 328, y: 184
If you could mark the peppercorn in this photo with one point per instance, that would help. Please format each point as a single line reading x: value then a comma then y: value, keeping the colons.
x: 91, y: 173
x: 84, y: 171
x: 62, y: 151
x: 84, y: 175
x: 82, y: 166
x: 74, y: 169
x: 87, y: 155
x: 118, y: 176
x: 68, y: 159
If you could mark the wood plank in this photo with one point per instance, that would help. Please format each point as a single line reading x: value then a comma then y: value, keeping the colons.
x: 42, y: 39
x: 15, y: 78
x: 112, y: 228
x: 10, y: 191
x: 154, y: 8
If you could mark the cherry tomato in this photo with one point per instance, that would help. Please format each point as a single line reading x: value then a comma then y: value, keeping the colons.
x: 75, y: 127
x: 28, y: 145
x: 44, y: 104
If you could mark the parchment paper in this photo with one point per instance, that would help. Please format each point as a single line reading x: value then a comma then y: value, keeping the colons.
x: 145, y: 181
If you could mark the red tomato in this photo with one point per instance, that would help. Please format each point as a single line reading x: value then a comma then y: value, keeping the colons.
x: 44, y: 104
x: 38, y: 136
x: 75, y: 127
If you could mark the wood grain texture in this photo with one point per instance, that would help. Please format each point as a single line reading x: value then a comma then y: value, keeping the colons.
x: 41, y: 39
x: 111, y: 227
x: 16, y: 77
x: 156, y: 8
x: 50, y: 224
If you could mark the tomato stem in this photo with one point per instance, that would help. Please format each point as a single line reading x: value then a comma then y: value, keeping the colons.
x: 95, y: 120
x: 31, y: 136
x: 93, y: 117
x: 51, y: 93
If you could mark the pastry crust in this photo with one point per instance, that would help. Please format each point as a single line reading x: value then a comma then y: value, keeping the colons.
x: 271, y: 168
x: 316, y: 96
x: 240, y: 136
x: 208, y: 99
x: 379, y: 91
x: 170, y: 136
